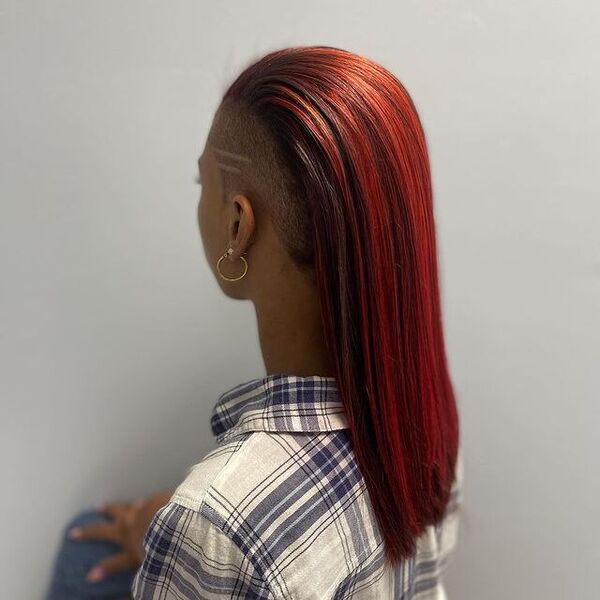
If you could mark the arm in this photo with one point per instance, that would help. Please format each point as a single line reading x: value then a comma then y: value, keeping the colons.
x: 189, y: 557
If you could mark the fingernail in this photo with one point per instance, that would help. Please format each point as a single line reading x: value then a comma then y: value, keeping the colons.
x: 96, y: 574
x: 75, y: 532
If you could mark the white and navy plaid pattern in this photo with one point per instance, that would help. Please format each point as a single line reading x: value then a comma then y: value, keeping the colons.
x: 279, y: 509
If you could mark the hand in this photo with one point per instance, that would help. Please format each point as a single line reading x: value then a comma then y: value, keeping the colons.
x: 130, y: 520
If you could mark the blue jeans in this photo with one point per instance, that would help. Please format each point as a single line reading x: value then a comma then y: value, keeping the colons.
x: 76, y: 557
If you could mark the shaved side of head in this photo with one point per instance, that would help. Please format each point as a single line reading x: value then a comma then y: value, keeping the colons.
x: 250, y: 163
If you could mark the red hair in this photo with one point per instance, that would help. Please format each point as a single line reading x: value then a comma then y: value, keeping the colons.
x: 349, y: 133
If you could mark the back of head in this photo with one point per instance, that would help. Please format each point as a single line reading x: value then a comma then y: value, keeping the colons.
x: 340, y: 162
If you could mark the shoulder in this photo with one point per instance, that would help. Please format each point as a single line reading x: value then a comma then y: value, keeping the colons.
x: 188, y: 555
x: 280, y: 503
x: 274, y: 505
x: 211, y: 471
x: 281, y: 515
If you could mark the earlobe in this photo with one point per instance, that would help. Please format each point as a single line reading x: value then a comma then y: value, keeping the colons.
x: 227, y: 253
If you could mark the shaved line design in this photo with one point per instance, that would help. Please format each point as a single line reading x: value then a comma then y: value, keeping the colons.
x: 232, y: 155
x: 229, y: 168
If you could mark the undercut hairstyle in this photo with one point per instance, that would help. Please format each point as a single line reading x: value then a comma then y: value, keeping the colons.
x: 250, y: 163
x: 338, y: 158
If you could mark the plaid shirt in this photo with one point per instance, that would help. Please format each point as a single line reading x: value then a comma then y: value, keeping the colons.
x: 279, y: 510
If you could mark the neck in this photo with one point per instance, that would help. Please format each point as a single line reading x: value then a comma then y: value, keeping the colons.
x: 290, y: 330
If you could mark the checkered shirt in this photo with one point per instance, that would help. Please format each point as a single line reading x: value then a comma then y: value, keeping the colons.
x: 279, y: 509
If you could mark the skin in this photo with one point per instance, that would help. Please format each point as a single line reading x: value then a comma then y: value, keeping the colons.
x: 285, y: 300
x: 288, y: 319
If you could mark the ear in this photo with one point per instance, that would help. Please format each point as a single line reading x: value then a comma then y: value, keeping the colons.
x: 242, y: 225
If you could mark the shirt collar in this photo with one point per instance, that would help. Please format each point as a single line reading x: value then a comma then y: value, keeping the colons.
x: 279, y: 402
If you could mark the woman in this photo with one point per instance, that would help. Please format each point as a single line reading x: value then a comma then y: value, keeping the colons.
x: 338, y: 473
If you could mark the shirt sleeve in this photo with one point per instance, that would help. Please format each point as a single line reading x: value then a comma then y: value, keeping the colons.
x: 188, y: 557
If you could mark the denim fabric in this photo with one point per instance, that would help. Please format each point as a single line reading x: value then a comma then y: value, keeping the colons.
x: 74, y: 560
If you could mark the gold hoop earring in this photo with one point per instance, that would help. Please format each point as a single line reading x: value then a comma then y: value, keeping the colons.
x: 223, y: 257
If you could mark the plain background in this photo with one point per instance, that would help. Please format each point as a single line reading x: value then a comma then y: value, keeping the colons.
x: 115, y: 339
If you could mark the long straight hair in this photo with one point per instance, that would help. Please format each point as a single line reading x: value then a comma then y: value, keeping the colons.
x: 349, y: 133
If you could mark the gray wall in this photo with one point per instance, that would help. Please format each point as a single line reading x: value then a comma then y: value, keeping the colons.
x: 115, y: 340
